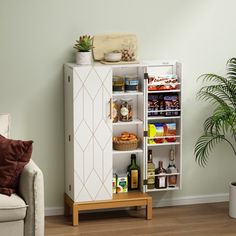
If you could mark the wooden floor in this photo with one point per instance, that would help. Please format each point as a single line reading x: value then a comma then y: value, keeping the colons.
x: 200, y: 220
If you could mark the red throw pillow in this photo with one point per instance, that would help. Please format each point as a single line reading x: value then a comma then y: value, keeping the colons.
x: 14, y: 155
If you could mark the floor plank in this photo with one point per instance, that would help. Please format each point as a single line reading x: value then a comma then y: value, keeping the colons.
x: 192, y: 220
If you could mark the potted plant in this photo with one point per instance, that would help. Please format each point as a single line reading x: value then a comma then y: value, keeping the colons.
x: 221, y: 125
x: 83, y: 47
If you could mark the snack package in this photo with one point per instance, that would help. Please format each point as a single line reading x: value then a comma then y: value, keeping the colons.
x: 170, y: 130
x: 155, y: 130
x: 122, y: 183
x: 166, y: 82
x: 161, y: 129
x: 171, y: 103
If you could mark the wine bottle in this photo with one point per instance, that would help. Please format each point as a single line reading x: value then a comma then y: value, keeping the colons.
x: 161, y: 178
x: 133, y: 174
x: 150, y: 171
x: 171, y: 169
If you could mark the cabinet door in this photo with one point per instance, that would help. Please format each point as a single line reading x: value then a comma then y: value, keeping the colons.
x: 92, y: 133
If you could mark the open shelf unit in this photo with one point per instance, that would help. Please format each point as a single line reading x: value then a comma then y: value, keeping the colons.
x: 90, y: 159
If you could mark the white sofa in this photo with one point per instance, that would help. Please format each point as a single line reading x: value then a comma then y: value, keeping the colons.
x: 22, y: 214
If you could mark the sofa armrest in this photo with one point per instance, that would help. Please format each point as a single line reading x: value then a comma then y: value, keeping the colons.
x: 31, y: 189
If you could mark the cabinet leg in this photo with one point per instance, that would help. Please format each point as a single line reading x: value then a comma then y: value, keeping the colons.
x: 75, y: 216
x: 149, y: 209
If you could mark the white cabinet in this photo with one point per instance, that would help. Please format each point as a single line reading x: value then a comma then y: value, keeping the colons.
x: 89, y: 157
x: 88, y: 132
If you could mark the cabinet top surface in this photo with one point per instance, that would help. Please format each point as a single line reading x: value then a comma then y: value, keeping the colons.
x: 141, y: 64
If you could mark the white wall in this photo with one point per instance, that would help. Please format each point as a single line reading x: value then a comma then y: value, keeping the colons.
x: 36, y: 38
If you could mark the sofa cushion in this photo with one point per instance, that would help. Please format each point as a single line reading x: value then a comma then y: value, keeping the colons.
x: 12, y: 208
x: 14, y: 155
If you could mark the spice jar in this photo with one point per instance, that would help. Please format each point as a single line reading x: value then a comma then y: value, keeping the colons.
x: 115, y: 111
x: 126, y: 110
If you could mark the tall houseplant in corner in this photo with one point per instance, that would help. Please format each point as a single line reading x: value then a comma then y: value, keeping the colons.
x: 221, y: 125
x: 84, y: 46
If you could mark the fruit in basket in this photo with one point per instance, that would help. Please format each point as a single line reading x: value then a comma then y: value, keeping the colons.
x: 125, y: 141
x: 125, y: 136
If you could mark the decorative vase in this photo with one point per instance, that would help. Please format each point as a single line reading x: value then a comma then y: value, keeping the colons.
x: 232, y: 200
x: 84, y: 58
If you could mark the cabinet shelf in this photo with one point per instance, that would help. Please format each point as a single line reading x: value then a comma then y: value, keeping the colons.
x: 133, y: 122
x: 167, y: 174
x: 170, y: 136
x: 163, y: 117
x: 138, y: 150
x: 166, y: 91
x: 163, y: 144
x: 163, y: 189
x: 127, y: 94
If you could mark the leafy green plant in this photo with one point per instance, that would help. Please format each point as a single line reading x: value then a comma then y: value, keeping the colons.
x: 221, y: 125
x: 84, y: 44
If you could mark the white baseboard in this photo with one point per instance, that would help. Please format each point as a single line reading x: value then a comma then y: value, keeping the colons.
x: 54, y: 211
x: 189, y: 200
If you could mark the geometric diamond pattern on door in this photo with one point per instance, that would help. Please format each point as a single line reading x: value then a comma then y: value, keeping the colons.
x: 92, y: 133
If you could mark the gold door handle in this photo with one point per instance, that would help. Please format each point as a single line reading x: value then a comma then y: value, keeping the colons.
x: 110, y: 115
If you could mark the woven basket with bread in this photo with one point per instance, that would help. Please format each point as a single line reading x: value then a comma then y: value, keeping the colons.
x: 126, y: 141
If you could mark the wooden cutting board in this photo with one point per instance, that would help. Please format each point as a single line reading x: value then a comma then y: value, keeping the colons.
x: 110, y: 42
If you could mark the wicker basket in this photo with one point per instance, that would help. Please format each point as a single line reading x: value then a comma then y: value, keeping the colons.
x: 125, y: 145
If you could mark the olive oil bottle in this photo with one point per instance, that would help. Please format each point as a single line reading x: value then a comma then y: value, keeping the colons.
x: 133, y: 174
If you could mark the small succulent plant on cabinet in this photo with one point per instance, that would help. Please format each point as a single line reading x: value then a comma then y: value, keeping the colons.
x: 84, y: 44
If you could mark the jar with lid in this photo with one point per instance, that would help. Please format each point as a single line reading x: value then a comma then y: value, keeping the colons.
x: 118, y: 84
x: 115, y: 111
x: 131, y: 83
x: 126, y: 110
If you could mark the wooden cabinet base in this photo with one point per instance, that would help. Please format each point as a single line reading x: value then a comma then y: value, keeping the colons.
x: 119, y: 200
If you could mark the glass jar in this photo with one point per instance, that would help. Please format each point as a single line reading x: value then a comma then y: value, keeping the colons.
x: 115, y: 111
x: 131, y: 83
x: 126, y: 112
x: 118, y: 84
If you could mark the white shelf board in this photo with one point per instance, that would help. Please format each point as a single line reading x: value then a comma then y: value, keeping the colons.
x: 127, y: 152
x: 170, y: 136
x: 163, y: 117
x: 167, y: 174
x: 165, y: 91
x: 158, y: 111
x: 127, y: 94
x: 162, y: 189
x: 133, y: 122
x: 163, y: 144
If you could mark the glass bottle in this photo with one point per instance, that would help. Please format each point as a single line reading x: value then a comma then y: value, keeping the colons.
x: 150, y: 171
x: 133, y: 174
x: 171, y: 169
x: 161, y: 178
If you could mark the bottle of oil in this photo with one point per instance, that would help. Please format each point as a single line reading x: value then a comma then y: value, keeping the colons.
x: 133, y: 174
x: 150, y: 171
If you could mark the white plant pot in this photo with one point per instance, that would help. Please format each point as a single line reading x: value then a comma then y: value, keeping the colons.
x: 232, y: 200
x: 83, y: 58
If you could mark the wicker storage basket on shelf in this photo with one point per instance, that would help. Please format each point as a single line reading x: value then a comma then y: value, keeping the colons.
x: 125, y: 145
